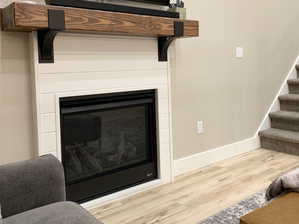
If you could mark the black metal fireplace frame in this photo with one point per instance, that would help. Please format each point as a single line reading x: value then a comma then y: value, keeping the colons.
x: 133, y: 175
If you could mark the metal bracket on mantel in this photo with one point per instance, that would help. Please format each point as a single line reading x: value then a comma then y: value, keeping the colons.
x: 164, y: 42
x: 56, y: 23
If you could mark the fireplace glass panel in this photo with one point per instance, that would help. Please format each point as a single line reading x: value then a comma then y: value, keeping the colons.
x: 101, y: 141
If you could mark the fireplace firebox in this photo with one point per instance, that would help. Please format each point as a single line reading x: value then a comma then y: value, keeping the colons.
x: 108, y: 142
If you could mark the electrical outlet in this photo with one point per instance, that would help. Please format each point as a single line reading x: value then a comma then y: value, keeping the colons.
x: 200, y: 127
x: 239, y: 52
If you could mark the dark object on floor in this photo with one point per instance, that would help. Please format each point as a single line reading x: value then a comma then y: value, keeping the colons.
x: 287, y: 183
x: 232, y: 215
x: 283, y: 210
x: 33, y: 191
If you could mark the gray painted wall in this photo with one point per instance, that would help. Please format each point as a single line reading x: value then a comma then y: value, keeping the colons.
x: 230, y: 95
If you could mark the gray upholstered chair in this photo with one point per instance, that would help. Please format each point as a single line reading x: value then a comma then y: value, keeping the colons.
x: 33, y: 192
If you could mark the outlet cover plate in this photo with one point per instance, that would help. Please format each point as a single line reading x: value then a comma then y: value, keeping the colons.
x: 200, y: 127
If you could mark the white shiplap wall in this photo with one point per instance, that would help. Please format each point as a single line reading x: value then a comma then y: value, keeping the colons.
x: 90, y: 64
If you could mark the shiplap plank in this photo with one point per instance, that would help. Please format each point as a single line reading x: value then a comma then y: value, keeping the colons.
x: 47, y: 103
x: 163, y: 107
x: 48, y: 123
x: 163, y: 121
x: 164, y: 136
x: 48, y: 142
x: 51, y: 83
x: 98, y: 64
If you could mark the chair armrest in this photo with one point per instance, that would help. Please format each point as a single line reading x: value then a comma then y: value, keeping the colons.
x: 31, y: 184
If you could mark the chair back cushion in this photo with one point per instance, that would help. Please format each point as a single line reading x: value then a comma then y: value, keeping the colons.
x: 31, y: 184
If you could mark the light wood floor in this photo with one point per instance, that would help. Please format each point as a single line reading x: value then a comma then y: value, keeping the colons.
x: 197, y: 195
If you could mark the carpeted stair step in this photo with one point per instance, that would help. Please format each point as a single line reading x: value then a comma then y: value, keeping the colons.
x: 293, y: 86
x: 280, y: 140
x: 289, y: 102
x: 286, y: 120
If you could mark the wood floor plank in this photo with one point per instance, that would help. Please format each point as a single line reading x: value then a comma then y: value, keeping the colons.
x: 201, y: 193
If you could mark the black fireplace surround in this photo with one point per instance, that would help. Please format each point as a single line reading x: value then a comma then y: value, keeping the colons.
x: 108, y: 142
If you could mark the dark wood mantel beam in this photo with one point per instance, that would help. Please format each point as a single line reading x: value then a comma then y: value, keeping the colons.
x: 30, y: 17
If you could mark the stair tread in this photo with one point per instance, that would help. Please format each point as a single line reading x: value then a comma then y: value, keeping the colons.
x: 282, y: 135
x: 286, y: 115
x: 293, y: 81
x: 289, y: 97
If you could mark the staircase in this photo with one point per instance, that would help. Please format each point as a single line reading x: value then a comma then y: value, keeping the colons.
x: 283, y: 136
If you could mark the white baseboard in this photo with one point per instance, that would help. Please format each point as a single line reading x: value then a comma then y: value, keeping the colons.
x: 203, y: 159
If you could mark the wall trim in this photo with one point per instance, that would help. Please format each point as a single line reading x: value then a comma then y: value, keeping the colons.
x: 284, y: 89
x: 203, y: 159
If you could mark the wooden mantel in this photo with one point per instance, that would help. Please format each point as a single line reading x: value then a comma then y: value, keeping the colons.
x: 33, y: 17
x: 29, y: 17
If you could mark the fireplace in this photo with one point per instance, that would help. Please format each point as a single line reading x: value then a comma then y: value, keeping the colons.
x: 108, y: 142
x: 80, y: 74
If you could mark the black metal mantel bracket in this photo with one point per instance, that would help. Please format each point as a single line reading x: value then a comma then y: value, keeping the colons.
x: 164, y: 42
x: 56, y: 23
